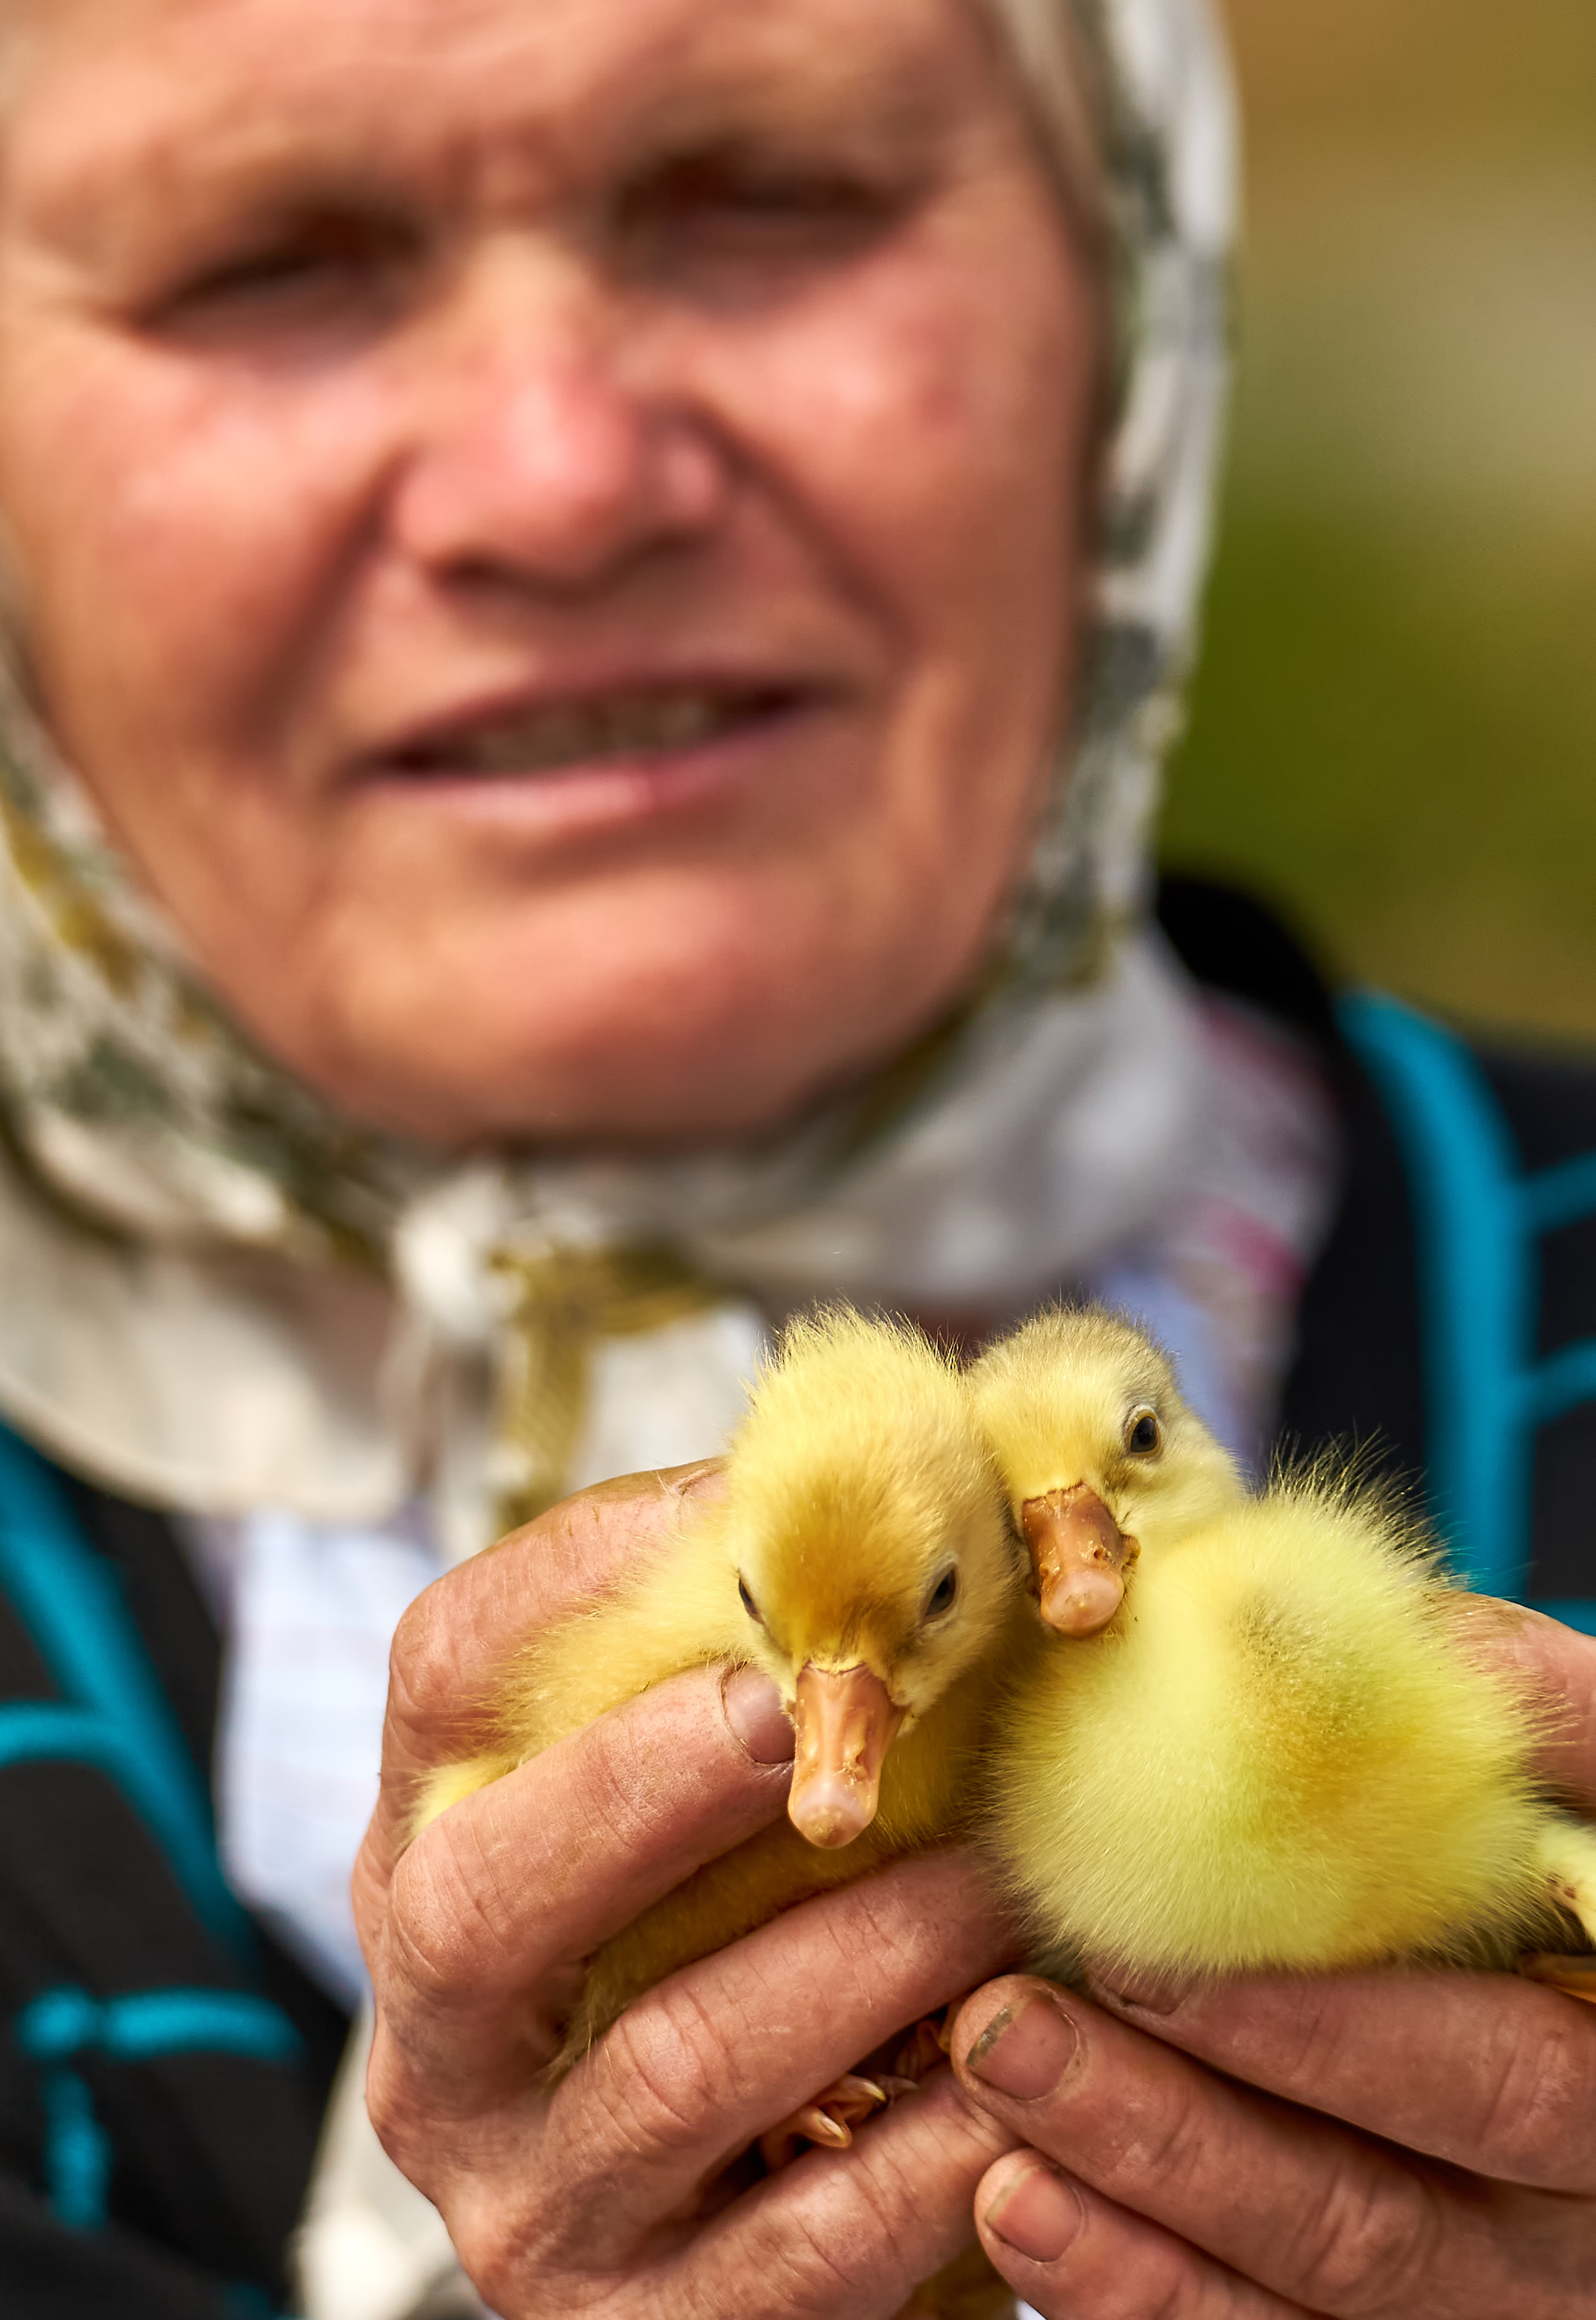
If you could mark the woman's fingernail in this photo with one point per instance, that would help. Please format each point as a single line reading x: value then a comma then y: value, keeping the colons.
x: 1038, y: 2213
x: 754, y: 1711
x: 1026, y: 2048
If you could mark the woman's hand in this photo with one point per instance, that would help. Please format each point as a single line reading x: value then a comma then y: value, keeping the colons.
x: 1390, y: 2146
x: 622, y: 2191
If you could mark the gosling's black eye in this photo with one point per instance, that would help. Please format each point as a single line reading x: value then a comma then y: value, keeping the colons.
x: 748, y: 1604
x: 942, y: 1596
x: 1143, y: 1433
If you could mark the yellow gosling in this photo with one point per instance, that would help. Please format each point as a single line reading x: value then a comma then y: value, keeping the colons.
x: 861, y: 1557
x: 1258, y: 1737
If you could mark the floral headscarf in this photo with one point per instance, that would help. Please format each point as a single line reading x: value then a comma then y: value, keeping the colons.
x: 215, y: 1289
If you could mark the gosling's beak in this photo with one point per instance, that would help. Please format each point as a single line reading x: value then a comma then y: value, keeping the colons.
x: 1080, y: 1556
x: 845, y: 1724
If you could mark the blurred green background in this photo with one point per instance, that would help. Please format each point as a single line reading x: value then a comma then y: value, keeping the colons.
x: 1393, y: 728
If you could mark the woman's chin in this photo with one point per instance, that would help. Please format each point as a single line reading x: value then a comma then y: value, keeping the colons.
x: 695, y: 995
x: 628, y: 1111
x: 471, y: 1077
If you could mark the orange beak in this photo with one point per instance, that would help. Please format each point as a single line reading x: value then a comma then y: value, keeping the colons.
x: 845, y: 1724
x: 1080, y: 1556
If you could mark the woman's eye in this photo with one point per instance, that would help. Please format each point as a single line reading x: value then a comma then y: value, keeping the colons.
x: 791, y: 196
x: 1143, y: 1433
x: 321, y: 268
x: 726, y: 207
x: 746, y: 1601
x: 943, y: 1595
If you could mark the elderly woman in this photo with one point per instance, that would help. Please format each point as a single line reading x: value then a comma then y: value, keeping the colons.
x: 597, y: 593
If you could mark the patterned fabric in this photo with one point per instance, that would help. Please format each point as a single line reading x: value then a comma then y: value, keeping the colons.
x: 1220, y: 1285
x: 181, y: 1207
x: 564, y: 1302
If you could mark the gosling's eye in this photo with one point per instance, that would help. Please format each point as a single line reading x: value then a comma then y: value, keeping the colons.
x: 1143, y: 1433
x: 748, y: 1604
x: 943, y: 1595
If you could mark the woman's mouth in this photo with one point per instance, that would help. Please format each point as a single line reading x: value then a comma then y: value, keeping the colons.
x: 567, y: 736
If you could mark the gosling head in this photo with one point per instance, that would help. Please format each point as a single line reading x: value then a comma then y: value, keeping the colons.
x: 1101, y: 1459
x: 874, y: 1563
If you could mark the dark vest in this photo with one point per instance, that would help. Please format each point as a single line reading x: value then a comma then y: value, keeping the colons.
x: 164, y: 2067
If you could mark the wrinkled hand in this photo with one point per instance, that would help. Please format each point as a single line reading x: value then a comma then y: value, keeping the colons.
x: 625, y: 2190
x: 1392, y: 2146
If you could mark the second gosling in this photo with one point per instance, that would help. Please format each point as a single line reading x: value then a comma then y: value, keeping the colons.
x: 1260, y: 1738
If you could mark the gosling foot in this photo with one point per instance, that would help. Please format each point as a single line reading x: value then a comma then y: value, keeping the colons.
x: 832, y: 2117
x: 1568, y: 1860
x: 930, y: 2042
x: 828, y: 2120
x: 1574, y: 1976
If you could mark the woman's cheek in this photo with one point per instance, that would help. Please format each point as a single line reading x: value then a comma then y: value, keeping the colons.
x: 929, y: 430
x: 199, y: 557
x: 931, y: 451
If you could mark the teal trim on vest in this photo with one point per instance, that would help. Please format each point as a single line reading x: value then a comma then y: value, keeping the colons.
x: 112, y: 1713
x: 140, y: 2027
x: 1561, y: 1195
x: 1478, y: 1220
x: 114, y: 1716
x: 149, y: 2022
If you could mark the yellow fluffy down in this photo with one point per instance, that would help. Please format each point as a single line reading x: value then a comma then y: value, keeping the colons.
x: 857, y: 1478
x: 1280, y: 1755
x: 857, y: 1471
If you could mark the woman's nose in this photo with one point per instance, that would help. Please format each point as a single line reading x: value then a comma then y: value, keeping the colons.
x: 549, y: 446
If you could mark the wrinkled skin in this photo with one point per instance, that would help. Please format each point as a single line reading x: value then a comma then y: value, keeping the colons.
x: 544, y: 352
x: 612, y: 2196
x: 1397, y: 2146
x: 1371, y: 2146
x: 384, y: 382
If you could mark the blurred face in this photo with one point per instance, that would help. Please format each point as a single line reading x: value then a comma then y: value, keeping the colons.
x: 552, y: 527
